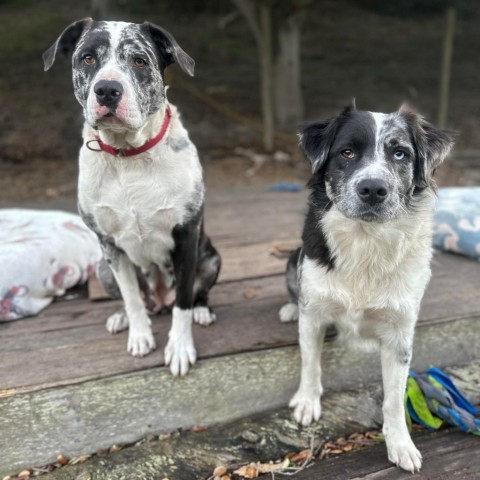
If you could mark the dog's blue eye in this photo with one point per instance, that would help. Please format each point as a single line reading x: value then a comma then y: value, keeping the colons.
x: 399, y: 155
x: 347, y: 153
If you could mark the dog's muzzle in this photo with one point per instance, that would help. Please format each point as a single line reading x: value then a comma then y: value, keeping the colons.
x: 108, y: 93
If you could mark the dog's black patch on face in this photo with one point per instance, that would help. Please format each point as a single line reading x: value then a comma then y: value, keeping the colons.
x: 147, y: 80
x: 356, y: 132
x: 431, y: 146
x: 95, y: 43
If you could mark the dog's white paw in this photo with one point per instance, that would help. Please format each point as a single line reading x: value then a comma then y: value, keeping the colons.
x: 405, y: 455
x: 307, y: 408
x: 203, y: 316
x: 179, y: 354
x: 289, y: 312
x: 140, y: 341
x: 117, y: 322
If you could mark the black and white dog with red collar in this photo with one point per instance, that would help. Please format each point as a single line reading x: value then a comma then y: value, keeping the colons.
x: 140, y: 184
x: 367, y: 245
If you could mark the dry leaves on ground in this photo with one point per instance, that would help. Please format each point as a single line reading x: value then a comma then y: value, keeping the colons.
x: 294, y: 462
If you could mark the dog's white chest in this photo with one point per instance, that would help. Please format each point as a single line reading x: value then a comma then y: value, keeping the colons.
x: 137, y: 204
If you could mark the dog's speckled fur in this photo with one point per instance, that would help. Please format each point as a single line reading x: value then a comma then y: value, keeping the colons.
x: 365, y: 260
x: 147, y: 210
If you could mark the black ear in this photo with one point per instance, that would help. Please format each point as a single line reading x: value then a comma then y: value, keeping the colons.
x: 316, y: 138
x: 432, y: 145
x: 66, y: 42
x: 169, y: 50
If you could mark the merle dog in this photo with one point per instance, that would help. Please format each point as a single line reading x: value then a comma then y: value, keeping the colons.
x: 365, y: 259
x: 140, y: 185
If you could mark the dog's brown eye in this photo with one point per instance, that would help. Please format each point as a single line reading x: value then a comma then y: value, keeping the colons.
x: 88, y: 59
x: 347, y: 153
x: 139, y: 62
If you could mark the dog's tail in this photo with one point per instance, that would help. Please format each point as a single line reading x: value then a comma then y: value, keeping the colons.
x: 289, y: 312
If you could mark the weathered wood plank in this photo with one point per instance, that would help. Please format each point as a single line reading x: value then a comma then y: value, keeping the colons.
x: 254, y: 216
x: 81, y: 419
x: 449, y: 454
x: 90, y: 350
x: 69, y: 341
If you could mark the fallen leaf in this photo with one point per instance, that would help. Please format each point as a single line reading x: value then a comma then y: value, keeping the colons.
x: 247, y: 472
x: 250, y: 293
x: 79, y: 459
x: 301, y: 456
x: 62, y: 459
x: 199, y: 428
x: 219, y: 471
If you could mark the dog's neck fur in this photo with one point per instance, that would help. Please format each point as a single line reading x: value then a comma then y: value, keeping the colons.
x: 131, y: 138
x: 378, y: 249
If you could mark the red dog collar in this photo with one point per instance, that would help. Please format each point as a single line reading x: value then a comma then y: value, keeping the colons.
x: 130, y: 152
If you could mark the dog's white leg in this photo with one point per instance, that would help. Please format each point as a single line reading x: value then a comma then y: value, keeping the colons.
x: 140, y: 337
x: 180, y: 350
x: 395, y: 366
x: 306, y: 401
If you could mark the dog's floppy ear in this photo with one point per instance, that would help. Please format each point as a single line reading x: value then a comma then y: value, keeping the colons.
x: 432, y: 145
x: 316, y: 138
x: 66, y: 42
x: 168, y: 48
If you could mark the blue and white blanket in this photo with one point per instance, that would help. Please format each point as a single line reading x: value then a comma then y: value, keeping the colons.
x: 457, y: 221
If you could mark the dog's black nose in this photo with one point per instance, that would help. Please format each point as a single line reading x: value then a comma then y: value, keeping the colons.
x: 108, y: 92
x: 372, y: 190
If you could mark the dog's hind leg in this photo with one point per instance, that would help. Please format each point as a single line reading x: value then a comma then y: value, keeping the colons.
x: 289, y: 312
x: 396, y: 350
x: 208, y: 269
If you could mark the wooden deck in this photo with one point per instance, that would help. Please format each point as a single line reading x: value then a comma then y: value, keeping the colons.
x: 446, y: 455
x: 78, y: 390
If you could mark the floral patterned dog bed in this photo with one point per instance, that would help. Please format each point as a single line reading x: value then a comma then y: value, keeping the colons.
x: 457, y: 221
x: 42, y: 253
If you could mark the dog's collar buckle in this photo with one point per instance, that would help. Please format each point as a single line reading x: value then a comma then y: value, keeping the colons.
x: 129, y: 152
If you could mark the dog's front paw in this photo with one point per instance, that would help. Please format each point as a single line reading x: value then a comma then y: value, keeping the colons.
x: 203, y: 316
x: 140, y: 341
x: 405, y: 455
x: 180, y: 353
x: 117, y: 322
x: 307, y: 408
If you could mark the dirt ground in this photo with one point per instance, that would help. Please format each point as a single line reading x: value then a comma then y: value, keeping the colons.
x: 382, y: 56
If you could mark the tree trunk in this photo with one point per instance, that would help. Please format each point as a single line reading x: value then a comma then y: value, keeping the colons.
x: 446, y: 66
x: 287, y: 73
x: 266, y: 71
